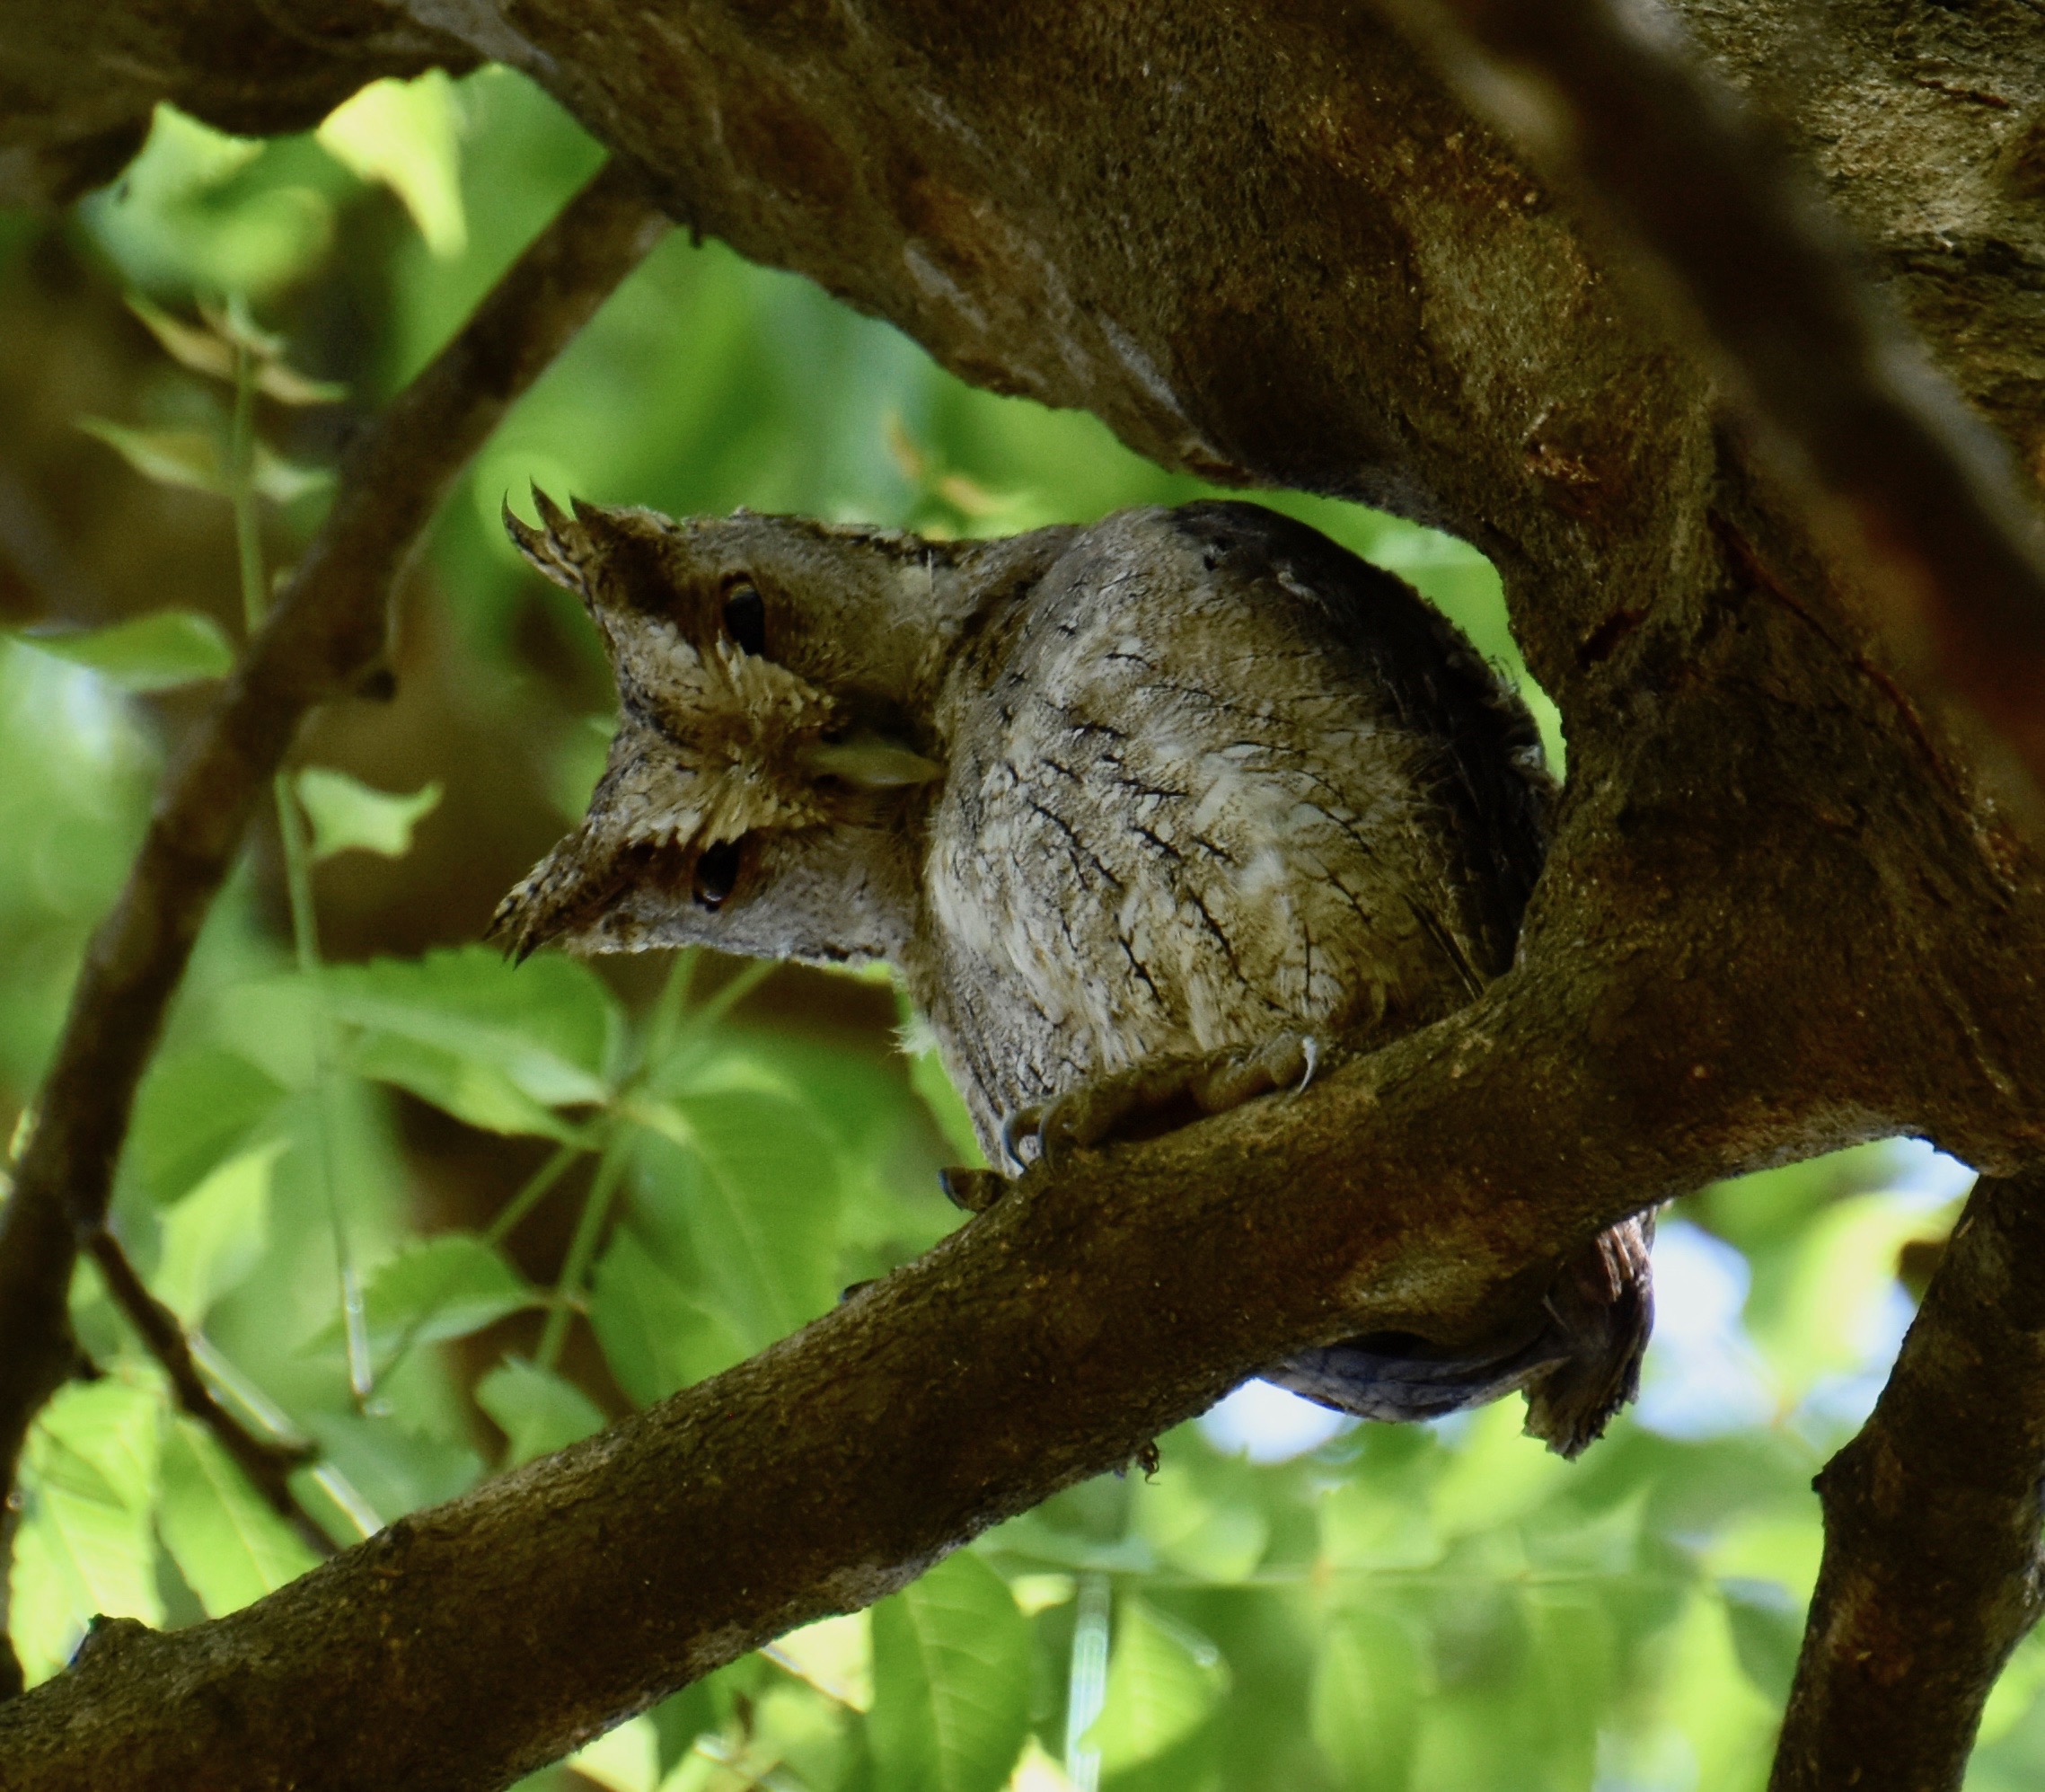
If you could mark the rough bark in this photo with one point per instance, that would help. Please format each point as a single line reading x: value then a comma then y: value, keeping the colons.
x: 1262, y: 241
x: 1932, y: 1571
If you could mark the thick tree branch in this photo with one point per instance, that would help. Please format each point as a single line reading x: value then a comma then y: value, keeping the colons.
x: 1046, y: 1341
x: 327, y: 627
x: 1263, y: 240
x: 1948, y: 536
x: 1636, y: 1051
x: 1932, y: 1571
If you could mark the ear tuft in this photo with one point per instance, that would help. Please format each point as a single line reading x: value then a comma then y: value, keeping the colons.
x: 556, y: 549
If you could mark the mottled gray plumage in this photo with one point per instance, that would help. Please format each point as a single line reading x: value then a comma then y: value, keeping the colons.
x: 1149, y: 815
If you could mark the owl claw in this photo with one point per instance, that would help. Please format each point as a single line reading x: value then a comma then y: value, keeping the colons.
x: 1017, y: 1124
x: 973, y: 1190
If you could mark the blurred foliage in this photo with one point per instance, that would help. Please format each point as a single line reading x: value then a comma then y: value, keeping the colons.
x: 1286, y: 1605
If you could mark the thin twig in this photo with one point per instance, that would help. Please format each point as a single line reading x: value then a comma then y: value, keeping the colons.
x: 1932, y: 1571
x: 1944, y: 528
x: 325, y: 630
x: 266, y: 1462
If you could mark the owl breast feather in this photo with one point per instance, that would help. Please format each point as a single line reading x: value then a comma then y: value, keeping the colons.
x: 1188, y: 813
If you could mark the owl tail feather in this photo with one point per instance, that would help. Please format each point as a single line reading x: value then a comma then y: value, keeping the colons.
x: 1580, y: 1364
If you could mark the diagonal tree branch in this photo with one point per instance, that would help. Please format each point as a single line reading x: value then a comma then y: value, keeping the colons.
x: 326, y: 629
x: 1047, y: 1340
x: 1933, y: 1572
x: 1948, y: 539
x: 268, y: 1463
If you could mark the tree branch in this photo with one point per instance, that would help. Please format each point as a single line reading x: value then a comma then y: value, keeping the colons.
x: 1932, y: 1571
x: 266, y: 1463
x: 1426, y: 1187
x: 1949, y: 540
x: 1283, y: 254
x: 327, y: 627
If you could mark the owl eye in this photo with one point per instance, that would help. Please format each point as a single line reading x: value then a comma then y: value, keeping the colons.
x: 717, y: 870
x: 746, y: 617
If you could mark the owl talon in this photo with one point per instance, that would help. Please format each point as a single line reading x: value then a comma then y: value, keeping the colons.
x: 1310, y: 1050
x: 973, y: 1190
x: 1016, y: 1127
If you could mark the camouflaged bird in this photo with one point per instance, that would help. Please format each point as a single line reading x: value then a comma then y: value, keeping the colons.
x: 1160, y: 811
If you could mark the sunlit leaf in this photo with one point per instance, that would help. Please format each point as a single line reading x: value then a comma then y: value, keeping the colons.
x: 210, y: 350
x: 1365, y: 1702
x: 951, y: 1664
x: 579, y: 758
x: 406, y: 133
x: 216, y: 1235
x: 496, y: 1045
x: 1216, y: 1539
x: 656, y: 1336
x: 626, y: 1759
x: 395, y: 1466
x: 1365, y: 1524
x: 185, y: 457
x: 834, y: 1656
x: 156, y: 652
x: 1163, y: 1682
x: 1818, y: 1318
x: 348, y: 814
x: 927, y: 1077
x: 227, y: 1542
x: 193, y: 1106
x: 1498, y: 1473
x: 83, y: 1547
x: 1767, y: 1623
x: 536, y: 1409
x: 188, y: 345
x: 283, y: 482
x: 755, y: 1182
x: 435, y: 1289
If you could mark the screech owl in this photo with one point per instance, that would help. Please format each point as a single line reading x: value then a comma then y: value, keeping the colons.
x: 1148, y: 817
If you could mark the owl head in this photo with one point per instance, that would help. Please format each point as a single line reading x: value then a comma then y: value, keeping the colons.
x: 774, y: 751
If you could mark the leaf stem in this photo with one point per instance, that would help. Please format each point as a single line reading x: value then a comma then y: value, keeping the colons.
x: 582, y: 1248
x: 297, y: 868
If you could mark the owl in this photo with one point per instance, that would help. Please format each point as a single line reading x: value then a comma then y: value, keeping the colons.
x: 1150, y: 817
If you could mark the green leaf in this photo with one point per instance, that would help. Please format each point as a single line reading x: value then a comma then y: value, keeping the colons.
x: 834, y: 1656
x: 188, y: 344
x: 156, y: 652
x: 1767, y: 1623
x: 184, y: 457
x: 281, y: 481
x: 535, y: 1408
x: 347, y: 813
x: 1215, y: 1540
x: 193, y: 458
x: 951, y: 1666
x: 210, y: 350
x: 626, y: 1759
x: 1365, y: 1702
x: 438, y: 1288
x: 1163, y: 1682
x: 88, y: 1481
x: 216, y: 1235
x: 406, y: 133
x: 497, y: 1047
x: 229, y: 1545
x: 756, y: 1184
x: 655, y: 1336
x: 927, y: 1077
x: 193, y: 1108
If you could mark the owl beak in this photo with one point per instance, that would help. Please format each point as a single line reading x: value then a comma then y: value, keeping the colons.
x: 870, y: 762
